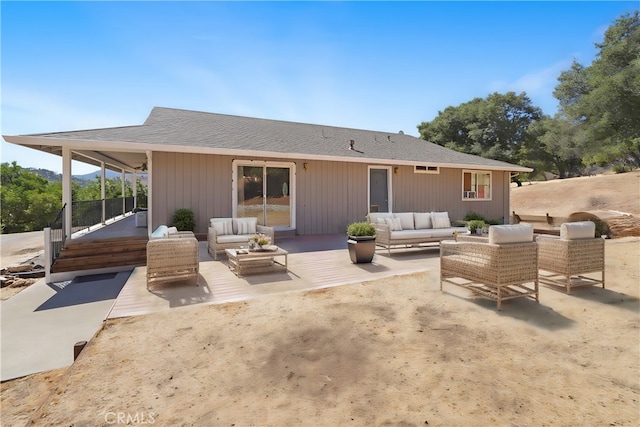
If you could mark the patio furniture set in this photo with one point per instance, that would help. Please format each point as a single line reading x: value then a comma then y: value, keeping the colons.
x: 502, y: 265
x: 506, y: 264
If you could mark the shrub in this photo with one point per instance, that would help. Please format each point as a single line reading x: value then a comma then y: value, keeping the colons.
x: 473, y: 216
x: 618, y: 168
x: 361, y: 229
x: 184, y: 220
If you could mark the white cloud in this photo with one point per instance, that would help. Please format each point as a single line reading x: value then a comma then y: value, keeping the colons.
x: 538, y: 85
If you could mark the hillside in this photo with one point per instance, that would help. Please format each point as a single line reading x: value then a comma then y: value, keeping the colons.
x: 613, y: 198
x: 616, y: 192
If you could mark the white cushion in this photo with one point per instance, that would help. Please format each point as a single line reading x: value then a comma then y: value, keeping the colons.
x: 234, y: 238
x: 440, y: 220
x: 406, y: 219
x: 246, y: 225
x: 513, y: 233
x: 171, y: 230
x: 379, y: 217
x: 578, y: 230
x: 222, y: 225
x: 411, y: 234
x: 422, y: 220
x: 394, y: 224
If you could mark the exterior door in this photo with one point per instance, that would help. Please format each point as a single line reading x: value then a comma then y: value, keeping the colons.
x: 379, y: 190
x: 264, y: 190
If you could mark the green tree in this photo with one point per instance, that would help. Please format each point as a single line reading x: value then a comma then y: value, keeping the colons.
x: 113, y: 189
x: 604, y: 98
x: 28, y: 201
x: 554, y: 147
x: 495, y: 127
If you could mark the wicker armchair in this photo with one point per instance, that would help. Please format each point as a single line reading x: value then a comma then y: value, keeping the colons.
x: 172, y: 260
x: 570, y: 256
x: 499, y: 268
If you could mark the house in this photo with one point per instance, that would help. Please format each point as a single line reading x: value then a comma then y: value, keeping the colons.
x: 301, y: 178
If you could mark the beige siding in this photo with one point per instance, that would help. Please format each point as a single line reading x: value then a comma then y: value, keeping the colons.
x: 329, y: 195
x: 443, y: 192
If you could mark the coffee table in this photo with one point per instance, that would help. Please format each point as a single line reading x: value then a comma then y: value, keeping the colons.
x: 244, y: 261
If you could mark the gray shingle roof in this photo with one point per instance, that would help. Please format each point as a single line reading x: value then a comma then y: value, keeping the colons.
x: 193, y: 129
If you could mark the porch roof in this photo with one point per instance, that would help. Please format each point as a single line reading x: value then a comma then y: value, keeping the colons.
x: 175, y: 130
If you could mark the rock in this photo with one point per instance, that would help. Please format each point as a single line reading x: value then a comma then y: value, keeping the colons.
x: 20, y: 268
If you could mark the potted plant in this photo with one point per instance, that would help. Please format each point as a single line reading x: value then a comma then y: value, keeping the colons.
x: 362, y: 242
x: 476, y: 226
x: 259, y: 242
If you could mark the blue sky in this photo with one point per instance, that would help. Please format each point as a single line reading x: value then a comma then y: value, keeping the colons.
x: 384, y: 66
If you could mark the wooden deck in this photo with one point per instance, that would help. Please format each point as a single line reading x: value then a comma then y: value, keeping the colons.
x: 314, y: 262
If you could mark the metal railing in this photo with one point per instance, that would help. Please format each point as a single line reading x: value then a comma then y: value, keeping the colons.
x: 57, y: 236
x: 88, y: 213
x: 84, y: 215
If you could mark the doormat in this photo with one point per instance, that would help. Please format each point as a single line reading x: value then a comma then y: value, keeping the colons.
x: 86, y: 289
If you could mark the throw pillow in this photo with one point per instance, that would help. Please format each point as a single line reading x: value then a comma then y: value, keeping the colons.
x: 422, y: 220
x: 394, y: 224
x: 578, y: 230
x: 406, y: 219
x: 222, y: 226
x: 440, y: 220
x: 246, y: 225
x: 511, y: 233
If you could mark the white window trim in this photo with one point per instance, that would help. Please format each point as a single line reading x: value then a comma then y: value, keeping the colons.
x: 389, y: 186
x: 263, y: 163
x: 427, y: 171
x: 474, y: 199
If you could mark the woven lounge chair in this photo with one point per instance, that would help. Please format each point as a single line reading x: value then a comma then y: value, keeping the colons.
x: 172, y: 260
x: 576, y: 252
x: 501, y: 267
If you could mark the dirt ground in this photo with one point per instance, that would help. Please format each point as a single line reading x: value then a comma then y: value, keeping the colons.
x: 392, y: 352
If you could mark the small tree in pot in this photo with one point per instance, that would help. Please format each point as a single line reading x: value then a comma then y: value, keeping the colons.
x: 362, y: 242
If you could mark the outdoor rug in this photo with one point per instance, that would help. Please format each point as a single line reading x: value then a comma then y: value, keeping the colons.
x: 86, y: 289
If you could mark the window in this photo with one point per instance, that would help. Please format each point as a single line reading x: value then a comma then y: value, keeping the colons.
x: 476, y: 185
x: 426, y: 169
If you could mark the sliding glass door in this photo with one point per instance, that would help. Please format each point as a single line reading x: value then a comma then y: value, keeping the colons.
x: 264, y: 190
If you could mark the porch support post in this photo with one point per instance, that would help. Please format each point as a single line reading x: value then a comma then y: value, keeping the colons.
x: 103, y: 193
x: 66, y: 190
x: 122, y: 193
x: 134, y: 186
x: 48, y: 256
x: 149, y: 192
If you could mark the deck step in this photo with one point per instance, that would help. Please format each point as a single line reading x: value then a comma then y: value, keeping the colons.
x: 87, y: 254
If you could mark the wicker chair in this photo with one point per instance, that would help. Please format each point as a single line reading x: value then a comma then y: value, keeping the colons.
x: 570, y: 256
x: 499, y: 268
x: 172, y: 260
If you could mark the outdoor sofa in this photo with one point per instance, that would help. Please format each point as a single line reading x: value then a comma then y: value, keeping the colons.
x: 234, y: 233
x: 172, y: 256
x: 499, y: 267
x: 403, y: 229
